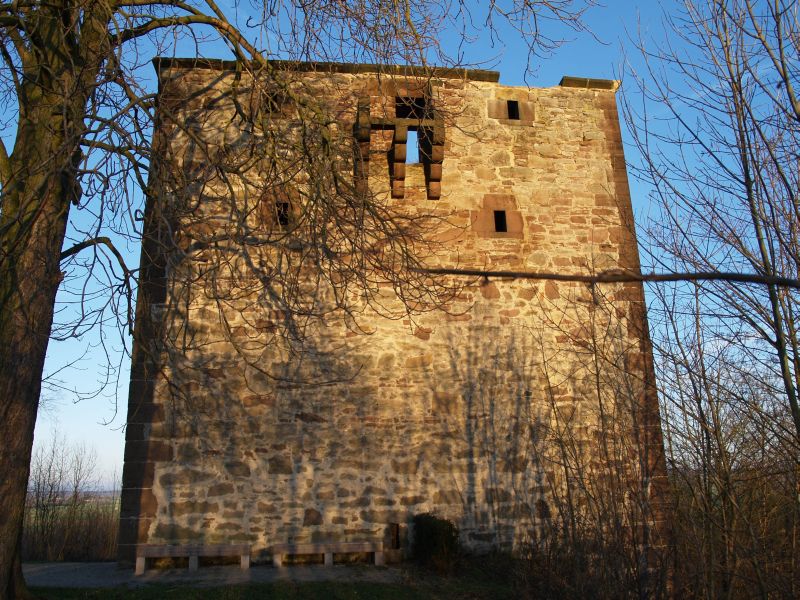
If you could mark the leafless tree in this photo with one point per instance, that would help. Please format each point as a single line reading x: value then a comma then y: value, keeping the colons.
x: 605, y: 453
x: 66, y: 516
x: 720, y: 154
x: 718, y: 131
x: 81, y: 112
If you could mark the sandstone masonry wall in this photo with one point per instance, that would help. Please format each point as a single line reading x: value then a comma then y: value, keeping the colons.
x: 487, y: 413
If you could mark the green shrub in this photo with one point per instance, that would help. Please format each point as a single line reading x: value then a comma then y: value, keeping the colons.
x: 435, y: 542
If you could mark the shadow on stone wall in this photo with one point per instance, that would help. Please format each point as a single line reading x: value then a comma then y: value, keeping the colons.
x: 552, y: 452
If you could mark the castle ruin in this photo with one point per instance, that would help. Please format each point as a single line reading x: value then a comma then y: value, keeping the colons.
x: 503, y: 404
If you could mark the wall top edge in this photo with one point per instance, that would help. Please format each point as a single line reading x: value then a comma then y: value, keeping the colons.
x: 162, y: 63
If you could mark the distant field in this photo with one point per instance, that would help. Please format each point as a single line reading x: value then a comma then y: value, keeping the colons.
x: 79, y: 528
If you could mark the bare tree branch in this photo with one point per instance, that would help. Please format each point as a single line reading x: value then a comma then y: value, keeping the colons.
x: 618, y: 276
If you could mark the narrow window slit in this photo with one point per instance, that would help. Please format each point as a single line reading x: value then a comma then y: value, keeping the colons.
x: 412, y: 147
x: 513, y: 109
x: 500, y: 223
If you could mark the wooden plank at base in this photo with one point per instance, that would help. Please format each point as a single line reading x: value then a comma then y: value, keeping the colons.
x: 327, y: 550
x: 322, y: 547
x: 220, y: 550
x: 165, y: 551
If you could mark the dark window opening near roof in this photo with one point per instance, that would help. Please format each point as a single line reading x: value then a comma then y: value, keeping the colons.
x: 500, y: 223
x: 513, y: 110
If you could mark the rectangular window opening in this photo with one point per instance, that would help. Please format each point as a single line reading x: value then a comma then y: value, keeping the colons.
x: 513, y: 110
x: 500, y: 223
x: 412, y: 147
x: 411, y: 107
x: 282, y: 214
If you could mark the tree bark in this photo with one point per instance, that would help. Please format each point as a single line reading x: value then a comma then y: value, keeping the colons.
x: 30, y: 276
x: 31, y: 279
x: 35, y: 208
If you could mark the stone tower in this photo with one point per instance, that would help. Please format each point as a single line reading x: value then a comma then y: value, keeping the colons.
x: 506, y: 405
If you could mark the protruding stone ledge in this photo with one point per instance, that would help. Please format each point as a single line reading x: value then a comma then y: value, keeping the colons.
x: 588, y: 83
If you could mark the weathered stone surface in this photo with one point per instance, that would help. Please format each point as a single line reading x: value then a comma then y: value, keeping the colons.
x: 147, y: 450
x: 312, y: 516
x: 254, y: 400
x: 167, y: 532
x: 411, y: 500
x: 358, y: 502
x: 416, y: 362
x: 407, y: 467
x: 280, y: 465
x: 136, y: 502
x: 220, y: 489
x: 381, y: 516
x: 237, y: 468
x: 490, y: 291
x: 457, y: 411
x: 183, y: 477
x: 187, y: 508
x: 187, y: 453
x: 447, y: 497
x: 138, y: 475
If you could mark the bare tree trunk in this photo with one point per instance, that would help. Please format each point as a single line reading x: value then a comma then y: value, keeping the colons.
x: 35, y: 208
x: 30, y: 280
x: 18, y: 589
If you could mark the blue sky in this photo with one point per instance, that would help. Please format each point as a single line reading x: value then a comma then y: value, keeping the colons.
x: 99, y: 421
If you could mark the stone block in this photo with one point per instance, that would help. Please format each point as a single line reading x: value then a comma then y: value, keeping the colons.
x: 220, y: 489
x: 179, y: 509
x: 417, y: 362
x: 137, y: 503
x: 183, y: 477
x: 138, y: 475
x: 451, y: 496
x: 237, y: 468
x: 311, y: 517
x: 280, y: 465
x: 405, y: 467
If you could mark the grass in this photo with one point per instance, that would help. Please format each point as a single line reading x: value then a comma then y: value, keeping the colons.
x: 441, y: 590
x: 473, y: 581
x: 278, y: 591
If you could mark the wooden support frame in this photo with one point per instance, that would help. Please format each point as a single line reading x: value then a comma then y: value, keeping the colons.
x: 193, y: 552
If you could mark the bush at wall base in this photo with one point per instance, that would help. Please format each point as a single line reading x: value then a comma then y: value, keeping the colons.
x: 435, y: 542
